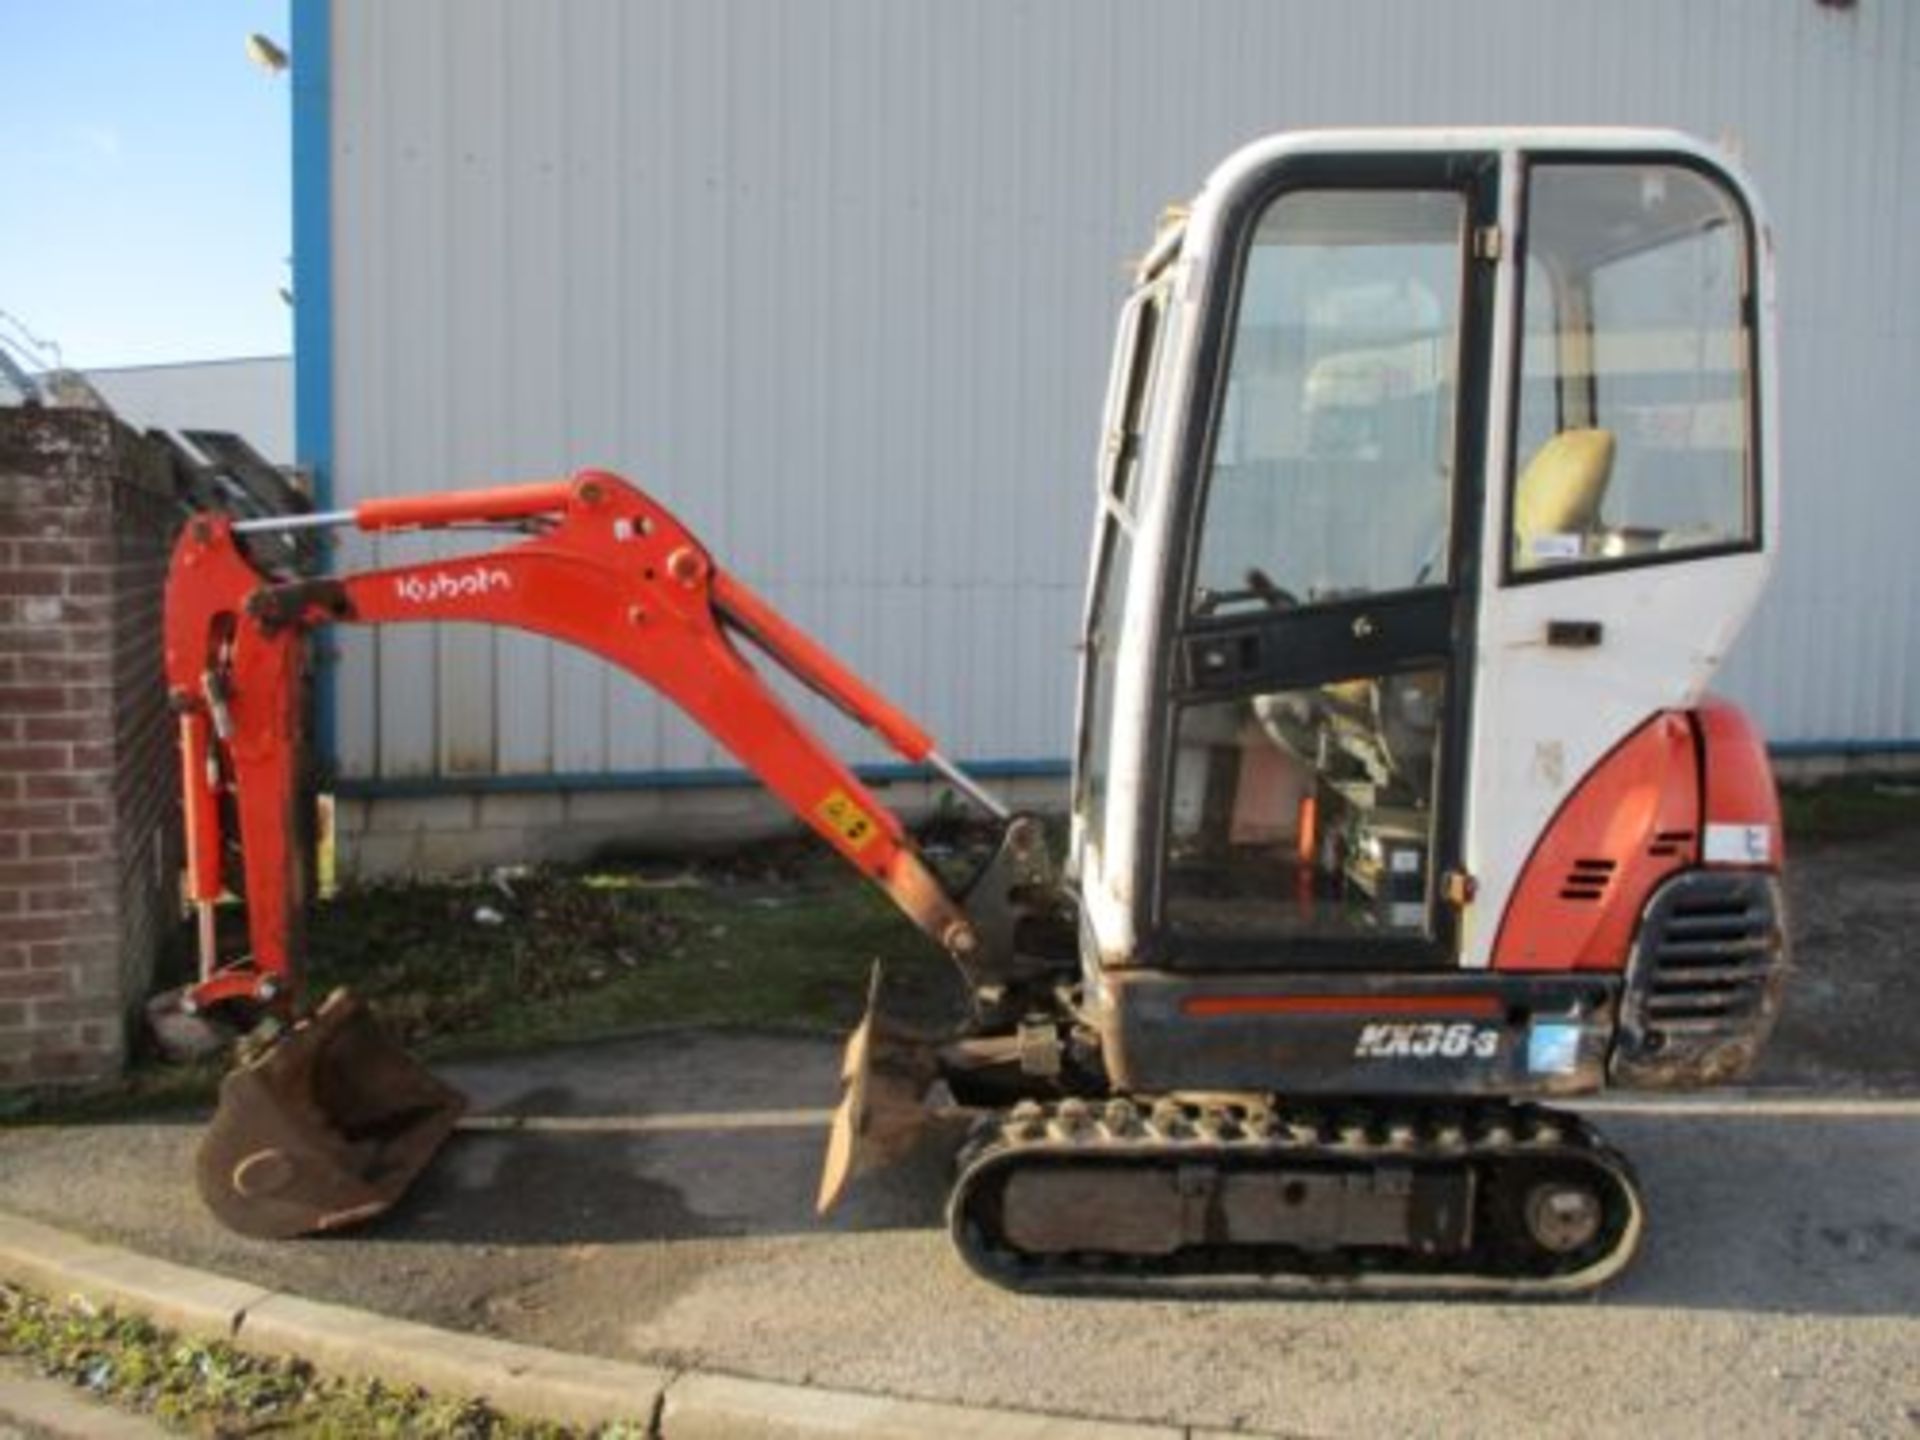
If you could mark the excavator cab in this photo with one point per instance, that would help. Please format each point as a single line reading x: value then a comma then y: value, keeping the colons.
x: 1435, y: 483
x: 1437, y: 476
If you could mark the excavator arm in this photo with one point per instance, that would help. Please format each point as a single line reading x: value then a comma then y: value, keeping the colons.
x: 605, y: 568
x: 326, y: 1123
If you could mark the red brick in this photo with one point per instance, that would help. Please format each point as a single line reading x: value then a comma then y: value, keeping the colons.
x: 16, y: 758
x: 30, y: 875
x: 79, y: 844
x: 24, y: 521
x: 13, y: 1013
x: 84, y: 736
x: 36, y: 817
x: 18, y: 639
x: 31, y: 582
x: 68, y: 1011
x: 62, y: 552
x: 90, y: 727
x: 34, y: 699
x: 62, y: 668
x: 90, y: 638
x: 79, y: 950
x: 28, y: 929
x: 35, y: 985
x: 62, y: 1064
x: 66, y: 900
x: 80, y: 785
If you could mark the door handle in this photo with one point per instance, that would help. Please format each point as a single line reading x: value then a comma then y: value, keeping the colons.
x: 1573, y: 634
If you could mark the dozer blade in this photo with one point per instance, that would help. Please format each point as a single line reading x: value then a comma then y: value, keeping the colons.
x: 325, y: 1128
x: 884, y: 1076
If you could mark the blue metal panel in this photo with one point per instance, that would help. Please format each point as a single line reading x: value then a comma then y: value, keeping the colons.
x: 597, y: 780
x: 310, y: 26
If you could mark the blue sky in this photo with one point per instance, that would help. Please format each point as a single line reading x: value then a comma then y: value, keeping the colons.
x: 144, y: 178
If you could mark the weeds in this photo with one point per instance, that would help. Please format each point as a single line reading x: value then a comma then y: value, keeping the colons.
x: 209, y: 1388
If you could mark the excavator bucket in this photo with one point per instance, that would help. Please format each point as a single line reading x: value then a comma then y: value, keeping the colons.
x: 884, y: 1076
x: 324, y: 1128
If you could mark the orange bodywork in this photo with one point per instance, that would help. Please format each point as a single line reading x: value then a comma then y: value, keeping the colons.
x: 1739, y: 787
x: 610, y: 571
x: 1634, y: 820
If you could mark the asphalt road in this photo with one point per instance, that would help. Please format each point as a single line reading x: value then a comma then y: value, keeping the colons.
x: 651, y: 1200
x: 1778, y: 1293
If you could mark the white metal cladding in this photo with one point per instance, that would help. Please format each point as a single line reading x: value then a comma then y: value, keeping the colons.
x: 835, y: 279
x: 252, y: 397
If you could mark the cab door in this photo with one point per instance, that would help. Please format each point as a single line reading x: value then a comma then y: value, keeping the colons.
x: 1633, y: 521
x: 1316, y: 692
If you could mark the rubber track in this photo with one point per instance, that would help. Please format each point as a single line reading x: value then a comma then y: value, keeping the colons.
x: 1345, y: 1134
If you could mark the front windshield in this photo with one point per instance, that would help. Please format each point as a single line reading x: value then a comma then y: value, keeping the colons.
x: 1334, y: 447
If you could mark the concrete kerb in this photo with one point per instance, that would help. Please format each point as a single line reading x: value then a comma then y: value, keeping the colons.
x: 56, y: 1410
x: 525, y: 1380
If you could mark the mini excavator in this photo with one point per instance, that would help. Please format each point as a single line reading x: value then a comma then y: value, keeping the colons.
x: 1437, y: 474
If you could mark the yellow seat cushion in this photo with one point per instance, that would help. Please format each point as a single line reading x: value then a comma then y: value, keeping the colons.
x: 1560, y: 491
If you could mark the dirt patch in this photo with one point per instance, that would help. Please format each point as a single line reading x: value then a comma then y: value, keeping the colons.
x: 1852, y: 1008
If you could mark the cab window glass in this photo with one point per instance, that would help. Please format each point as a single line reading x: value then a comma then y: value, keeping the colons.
x: 1136, y: 365
x: 1132, y: 386
x: 1308, y: 812
x: 1103, y: 646
x: 1633, y: 438
x: 1334, y: 447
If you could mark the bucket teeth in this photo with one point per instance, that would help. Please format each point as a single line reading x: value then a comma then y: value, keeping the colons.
x: 325, y: 1127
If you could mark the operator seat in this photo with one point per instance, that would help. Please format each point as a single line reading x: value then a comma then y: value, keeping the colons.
x: 1556, y: 504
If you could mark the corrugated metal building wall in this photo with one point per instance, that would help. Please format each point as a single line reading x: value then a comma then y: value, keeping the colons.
x: 252, y: 396
x: 835, y: 279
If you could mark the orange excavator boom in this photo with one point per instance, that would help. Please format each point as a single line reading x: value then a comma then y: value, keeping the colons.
x: 604, y: 567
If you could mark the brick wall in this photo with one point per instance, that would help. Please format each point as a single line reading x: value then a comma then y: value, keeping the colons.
x: 89, y: 846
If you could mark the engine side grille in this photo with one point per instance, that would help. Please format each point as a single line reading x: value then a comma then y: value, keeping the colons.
x: 1670, y: 844
x: 1587, y: 880
x: 1704, y: 980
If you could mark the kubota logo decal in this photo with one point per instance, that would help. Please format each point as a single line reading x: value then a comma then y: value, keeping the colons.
x: 452, y: 584
x: 1428, y: 1042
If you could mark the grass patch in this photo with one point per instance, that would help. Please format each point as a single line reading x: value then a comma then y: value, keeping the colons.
x: 544, y: 956
x: 1850, y: 809
x: 210, y: 1388
x: 779, y: 937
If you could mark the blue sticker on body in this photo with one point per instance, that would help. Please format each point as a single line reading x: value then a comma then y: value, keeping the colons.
x: 1553, y: 1048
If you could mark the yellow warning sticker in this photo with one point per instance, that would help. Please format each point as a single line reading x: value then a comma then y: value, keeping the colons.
x: 846, y: 818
